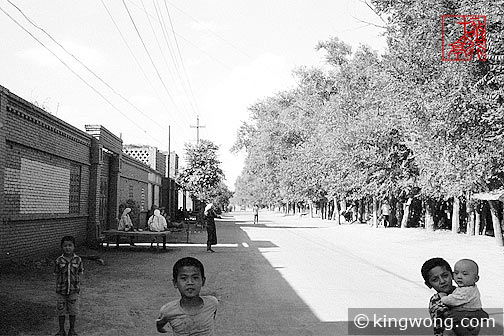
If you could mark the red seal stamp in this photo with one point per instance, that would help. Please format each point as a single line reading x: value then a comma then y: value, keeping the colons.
x: 463, y: 36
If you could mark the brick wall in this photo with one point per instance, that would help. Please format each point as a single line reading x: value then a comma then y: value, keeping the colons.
x: 106, y: 154
x: 133, y: 184
x: 3, y: 158
x: 161, y: 163
x: 44, y: 180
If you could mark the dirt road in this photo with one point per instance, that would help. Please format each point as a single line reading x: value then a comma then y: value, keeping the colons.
x: 285, y: 276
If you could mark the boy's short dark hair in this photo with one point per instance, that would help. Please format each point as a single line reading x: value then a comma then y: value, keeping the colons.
x: 67, y: 238
x: 187, y: 261
x: 430, y: 264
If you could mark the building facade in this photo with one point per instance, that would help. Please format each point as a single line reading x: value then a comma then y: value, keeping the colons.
x: 57, y: 180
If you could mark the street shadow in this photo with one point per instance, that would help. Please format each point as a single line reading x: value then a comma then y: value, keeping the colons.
x: 22, y: 316
x: 269, y: 306
x: 262, y: 244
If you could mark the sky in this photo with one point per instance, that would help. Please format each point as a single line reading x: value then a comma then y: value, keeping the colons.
x: 141, y: 67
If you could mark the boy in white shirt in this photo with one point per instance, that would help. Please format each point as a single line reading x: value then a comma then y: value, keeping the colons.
x: 193, y: 314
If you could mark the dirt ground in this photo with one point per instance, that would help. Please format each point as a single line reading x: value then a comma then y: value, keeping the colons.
x: 261, y: 274
x: 121, y: 297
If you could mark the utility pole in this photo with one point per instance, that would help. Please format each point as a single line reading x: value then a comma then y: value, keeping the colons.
x: 197, y: 129
x: 169, y: 177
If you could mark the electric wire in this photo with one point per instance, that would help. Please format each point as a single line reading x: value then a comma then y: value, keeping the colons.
x: 177, y: 71
x: 211, y: 31
x: 138, y: 63
x: 156, y: 38
x: 150, y: 56
x: 148, y: 53
x: 161, y: 49
x: 80, y: 62
x: 181, y: 60
x: 166, y: 38
x: 77, y: 75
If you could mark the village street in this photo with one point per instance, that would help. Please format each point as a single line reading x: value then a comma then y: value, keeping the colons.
x: 288, y: 275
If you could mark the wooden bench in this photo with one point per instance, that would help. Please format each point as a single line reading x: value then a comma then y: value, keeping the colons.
x: 118, y: 234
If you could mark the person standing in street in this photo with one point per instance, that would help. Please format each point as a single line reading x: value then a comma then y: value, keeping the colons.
x: 209, y: 216
x: 256, y: 213
x: 385, y: 209
x: 68, y: 269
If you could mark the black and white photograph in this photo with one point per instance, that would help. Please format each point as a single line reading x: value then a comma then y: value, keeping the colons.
x: 245, y: 168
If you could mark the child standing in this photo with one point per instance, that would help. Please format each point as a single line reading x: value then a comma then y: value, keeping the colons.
x: 438, y: 274
x: 192, y: 314
x: 68, y: 268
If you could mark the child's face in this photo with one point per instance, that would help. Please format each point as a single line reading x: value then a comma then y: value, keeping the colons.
x: 189, y: 281
x: 68, y: 248
x: 465, y: 273
x: 440, y: 279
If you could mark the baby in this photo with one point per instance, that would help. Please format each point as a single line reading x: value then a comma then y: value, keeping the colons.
x: 466, y: 297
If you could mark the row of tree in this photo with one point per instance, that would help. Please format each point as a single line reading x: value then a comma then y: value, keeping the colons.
x: 400, y: 126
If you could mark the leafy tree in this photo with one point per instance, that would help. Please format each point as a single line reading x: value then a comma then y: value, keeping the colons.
x: 202, y: 175
x: 221, y: 196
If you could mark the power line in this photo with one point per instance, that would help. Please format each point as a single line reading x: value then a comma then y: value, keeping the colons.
x: 79, y: 61
x: 76, y: 74
x: 148, y: 54
x: 211, y: 31
x: 174, y: 59
x: 180, y: 56
x: 177, y: 71
x: 179, y: 122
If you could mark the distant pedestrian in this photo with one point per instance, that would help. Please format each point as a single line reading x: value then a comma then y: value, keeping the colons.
x: 255, y: 209
x: 385, y: 210
x: 192, y: 314
x: 68, y: 269
x: 209, y: 216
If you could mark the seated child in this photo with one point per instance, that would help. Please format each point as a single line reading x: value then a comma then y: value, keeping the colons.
x: 192, y: 314
x: 437, y: 274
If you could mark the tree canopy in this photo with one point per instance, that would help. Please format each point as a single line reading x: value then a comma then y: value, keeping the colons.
x: 399, y: 124
x: 202, y: 175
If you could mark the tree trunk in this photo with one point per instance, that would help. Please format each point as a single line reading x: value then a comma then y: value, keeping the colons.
x: 470, y: 216
x: 484, y: 219
x: 477, y: 222
x: 406, y: 212
x: 362, y: 210
x: 311, y: 209
x: 456, y: 215
x: 375, y: 213
x: 429, y: 218
x: 335, y: 209
x: 343, y: 210
x: 496, y: 223
x: 337, y: 212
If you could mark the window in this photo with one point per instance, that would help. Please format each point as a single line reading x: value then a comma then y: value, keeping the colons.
x: 75, y: 188
x: 130, y: 192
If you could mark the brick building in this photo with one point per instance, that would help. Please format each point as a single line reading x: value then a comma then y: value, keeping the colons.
x: 57, y: 180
